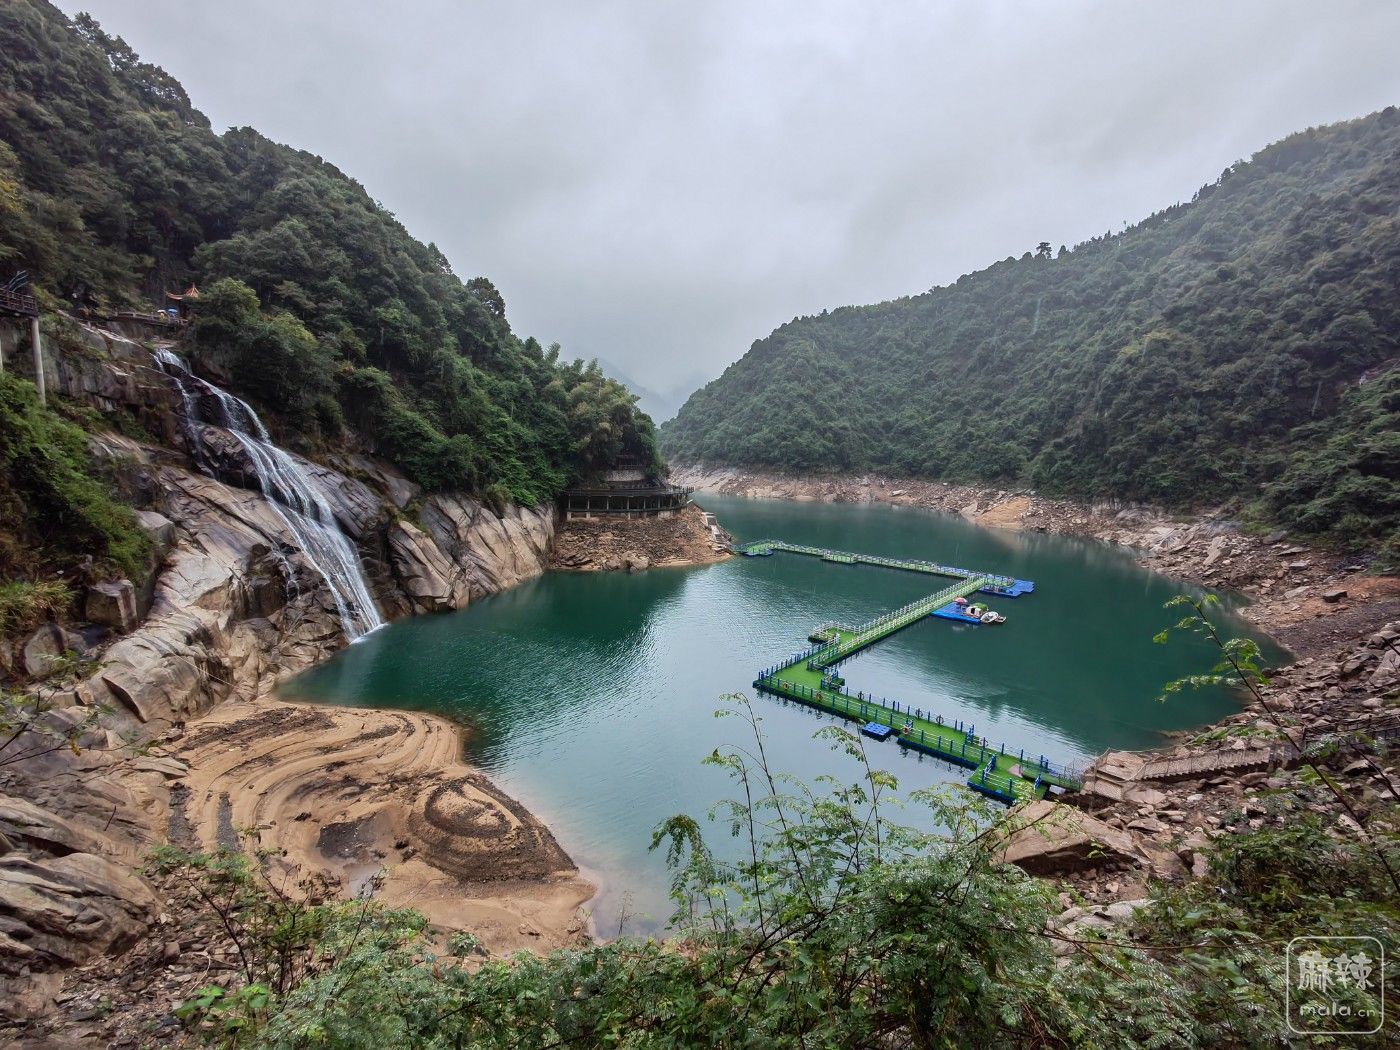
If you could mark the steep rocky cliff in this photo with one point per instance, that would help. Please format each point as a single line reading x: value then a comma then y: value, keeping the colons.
x: 230, y: 606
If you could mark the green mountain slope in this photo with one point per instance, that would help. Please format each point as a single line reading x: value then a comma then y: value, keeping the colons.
x: 1214, y: 350
x: 114, y: 189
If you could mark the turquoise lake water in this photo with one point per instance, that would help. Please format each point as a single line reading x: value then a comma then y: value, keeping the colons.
x: 591, y: 697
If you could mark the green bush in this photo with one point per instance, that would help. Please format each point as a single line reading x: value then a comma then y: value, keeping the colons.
x: 273, y: 358
x: 24, y: 604
x: 46, y: 478
x: 1279, y: 870
x: 1343, y: 485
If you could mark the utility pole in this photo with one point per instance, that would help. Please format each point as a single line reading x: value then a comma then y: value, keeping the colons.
x: 38, y: 358
x: 15, y: 304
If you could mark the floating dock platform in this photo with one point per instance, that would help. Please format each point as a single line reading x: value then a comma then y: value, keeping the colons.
x: 809, y: 678
x: 955, y: 612
x: 1002, y: 586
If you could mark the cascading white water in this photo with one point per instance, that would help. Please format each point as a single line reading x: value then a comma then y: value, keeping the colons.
x: 290, y: 491
x: 189, y: 415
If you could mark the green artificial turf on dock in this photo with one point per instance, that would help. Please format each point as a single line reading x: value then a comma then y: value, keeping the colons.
x: 809, y: 678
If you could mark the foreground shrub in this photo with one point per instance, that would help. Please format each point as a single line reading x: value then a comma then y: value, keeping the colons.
x: 826, y: 924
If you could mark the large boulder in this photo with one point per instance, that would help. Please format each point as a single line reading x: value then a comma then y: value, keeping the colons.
x: 112, y: 603
x: 42, y: 649
x: 1047, y: 838
x: 24, y: 825
x: 161, y: 530
x: 58, y: 912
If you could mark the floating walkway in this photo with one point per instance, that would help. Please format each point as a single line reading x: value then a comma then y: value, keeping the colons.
x: 810, y: 677
x: 1004, y: 586
x: 843, y: 641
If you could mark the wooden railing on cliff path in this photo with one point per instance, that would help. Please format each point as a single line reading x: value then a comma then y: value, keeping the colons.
x: 18, y: 304
x: 157, y: 318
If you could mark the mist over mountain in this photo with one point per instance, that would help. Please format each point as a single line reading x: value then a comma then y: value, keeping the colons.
x: 660, y: 405
x: 1240, y: 347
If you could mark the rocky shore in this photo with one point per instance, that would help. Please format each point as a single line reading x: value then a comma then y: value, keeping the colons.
x: 180, y: 739
x: 601, y: 544
x: 1310, y: 600
x: 1148, y: 816
x: 177, y: 735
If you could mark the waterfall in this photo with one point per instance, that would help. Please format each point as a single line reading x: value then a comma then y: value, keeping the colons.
x: 290, y: 491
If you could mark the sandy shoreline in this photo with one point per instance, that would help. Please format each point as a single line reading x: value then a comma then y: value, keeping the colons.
x: 380, y: 800
x: 383, y: 796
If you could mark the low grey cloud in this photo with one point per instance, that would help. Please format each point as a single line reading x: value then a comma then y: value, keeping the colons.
x: 659, y: 184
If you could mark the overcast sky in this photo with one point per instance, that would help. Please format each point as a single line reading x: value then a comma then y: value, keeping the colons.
x: 659, y: 184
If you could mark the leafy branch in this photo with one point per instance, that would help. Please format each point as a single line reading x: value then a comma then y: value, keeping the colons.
x: 1241, y: 664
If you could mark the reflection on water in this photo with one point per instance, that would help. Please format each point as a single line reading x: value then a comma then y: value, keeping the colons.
x: 591, y: 698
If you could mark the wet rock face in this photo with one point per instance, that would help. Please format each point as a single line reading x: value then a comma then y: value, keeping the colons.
x: 117, y: 373
x: 225, y: 456
x: 229, y: 602
x: 427, y: 579
x: 229, y: 606
x: 456, y: 550
x: 360, y: 511
x: 269, y: 583
x: 235, y: 603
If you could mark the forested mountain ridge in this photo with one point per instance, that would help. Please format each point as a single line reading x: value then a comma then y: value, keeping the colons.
x: 1241, y: 346
x: 318, y: 304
